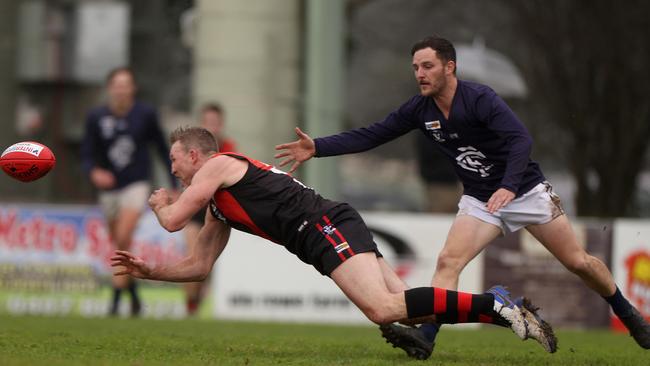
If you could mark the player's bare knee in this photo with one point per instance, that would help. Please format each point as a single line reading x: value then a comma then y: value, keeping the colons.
x: 379, y: 314
x: 204, y: 272
x: 382, y: 310
x: 448, y: 264
x: 580, y: 265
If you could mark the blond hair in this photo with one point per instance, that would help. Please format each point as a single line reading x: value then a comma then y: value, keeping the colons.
x: 195, y: 138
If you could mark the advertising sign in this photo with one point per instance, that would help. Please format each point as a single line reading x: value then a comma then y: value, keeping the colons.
x: 55, y: 260
x: 258, y: 280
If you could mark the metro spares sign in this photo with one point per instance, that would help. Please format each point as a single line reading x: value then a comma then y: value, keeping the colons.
x: 638, y: 280
x: 67, y: 234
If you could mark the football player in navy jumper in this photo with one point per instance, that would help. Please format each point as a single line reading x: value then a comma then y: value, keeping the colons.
x: 256, y: 198
x: 115, y: 157
x: 504, y: 190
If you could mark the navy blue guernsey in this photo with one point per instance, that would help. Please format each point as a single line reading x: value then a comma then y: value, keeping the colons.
x: 121, y: 144
x: 270, y: 203
x: 487, y: 144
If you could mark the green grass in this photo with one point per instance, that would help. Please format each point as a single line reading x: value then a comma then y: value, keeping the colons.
x: 78, y: 341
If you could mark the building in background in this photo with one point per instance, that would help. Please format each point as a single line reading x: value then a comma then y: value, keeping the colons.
x: 322, y: 65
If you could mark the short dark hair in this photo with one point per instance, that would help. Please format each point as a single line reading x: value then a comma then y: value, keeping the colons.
x: 444, y: 49
x: 111, y: 74
x: 212, y: 107
x: 195, y: 138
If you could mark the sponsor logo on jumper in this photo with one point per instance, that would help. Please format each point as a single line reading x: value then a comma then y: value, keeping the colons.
x: 341, y: 247
x: 107, y: 126
x: 471, y: 159
x: 437, y: 135
x: 434, y: 128
x: 26, y: 147
x: 432, y: 125
x: 302, y: 226
x: 216, y: 212
x: 278, y: 171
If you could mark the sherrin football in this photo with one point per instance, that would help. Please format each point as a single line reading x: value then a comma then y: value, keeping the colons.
x: 27, y: 161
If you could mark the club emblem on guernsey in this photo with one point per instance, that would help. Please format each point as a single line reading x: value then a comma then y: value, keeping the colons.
x: 329, y: 229
x: 472, y: 160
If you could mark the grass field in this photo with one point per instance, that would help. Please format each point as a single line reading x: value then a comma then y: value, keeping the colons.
x: 78, y: 341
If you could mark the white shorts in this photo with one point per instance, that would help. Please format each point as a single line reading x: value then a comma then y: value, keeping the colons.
x: 134, y: 196
x: 540, y: 205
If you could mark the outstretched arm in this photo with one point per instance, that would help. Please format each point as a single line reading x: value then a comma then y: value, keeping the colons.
x: 212, y: 239
x: 357, y: 140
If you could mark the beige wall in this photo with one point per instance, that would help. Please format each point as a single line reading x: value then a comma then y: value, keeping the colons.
x: 247, y: 56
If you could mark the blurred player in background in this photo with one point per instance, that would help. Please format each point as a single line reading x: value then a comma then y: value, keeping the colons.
x: 504, y: 190
x: 213, y: 120
x: 259, y: 199
x: 115, y: 156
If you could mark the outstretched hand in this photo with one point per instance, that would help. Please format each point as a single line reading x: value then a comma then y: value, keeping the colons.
x: 297, y: 152
x: 131, y: 264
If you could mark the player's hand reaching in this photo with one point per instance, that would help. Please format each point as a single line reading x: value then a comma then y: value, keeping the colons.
x: 297, y: 152
x: 131, y: 264
x: 499, y: 199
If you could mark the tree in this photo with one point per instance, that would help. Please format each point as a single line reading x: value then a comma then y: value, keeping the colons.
x: 588, y: 62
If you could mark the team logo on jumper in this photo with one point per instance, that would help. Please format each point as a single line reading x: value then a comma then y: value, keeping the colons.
x: 434, y: 127
x: 472, y: 160
x: 329, y: 229
x: 121, y: 152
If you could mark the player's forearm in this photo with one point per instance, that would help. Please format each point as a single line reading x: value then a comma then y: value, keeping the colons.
x: 348, y: 142
x: 187, y: 270
x: 166, y: 218
x: 361, y: 139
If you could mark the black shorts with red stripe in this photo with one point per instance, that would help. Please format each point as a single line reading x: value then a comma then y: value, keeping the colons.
x: 336, y: 236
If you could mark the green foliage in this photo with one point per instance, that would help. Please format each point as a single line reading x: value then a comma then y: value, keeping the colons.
x: 78, y: 341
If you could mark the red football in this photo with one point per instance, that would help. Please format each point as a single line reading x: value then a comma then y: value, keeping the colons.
x: 27, y: 161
